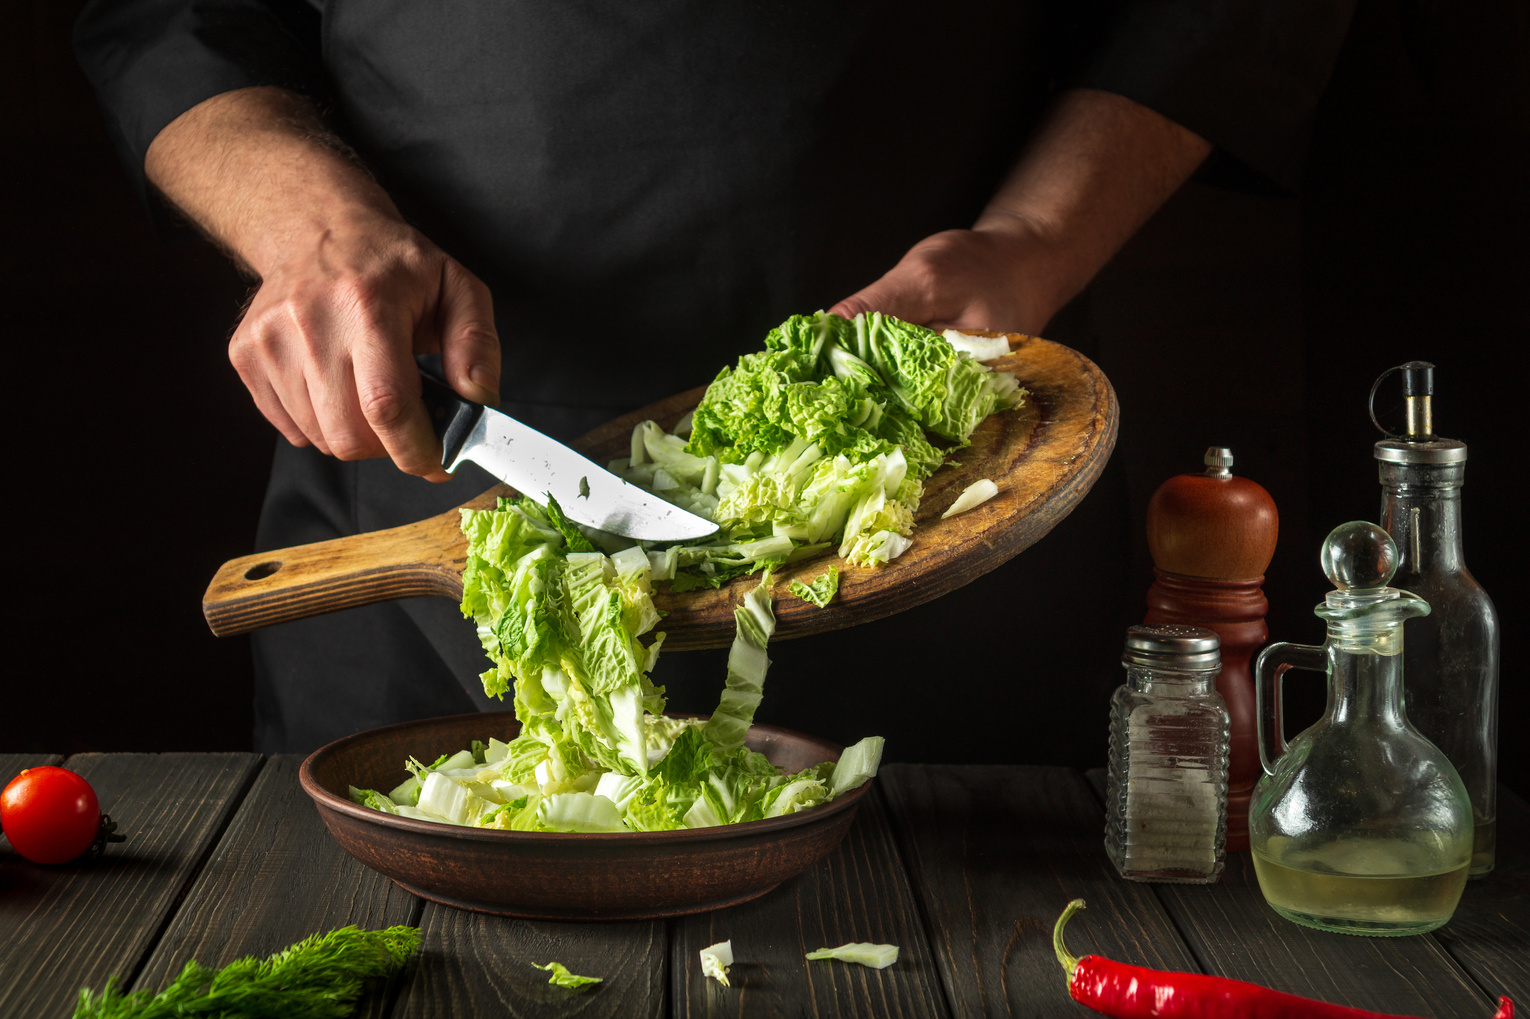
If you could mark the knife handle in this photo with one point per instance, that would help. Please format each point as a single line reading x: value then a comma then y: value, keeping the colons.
x: 451, y: 416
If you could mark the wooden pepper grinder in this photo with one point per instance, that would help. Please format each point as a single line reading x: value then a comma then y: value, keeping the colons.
x: 1212, y: 536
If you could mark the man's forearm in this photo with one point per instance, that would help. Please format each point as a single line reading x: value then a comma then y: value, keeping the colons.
x: 257, y: 170
x: 1093, y: 172
x: 1096, y: 169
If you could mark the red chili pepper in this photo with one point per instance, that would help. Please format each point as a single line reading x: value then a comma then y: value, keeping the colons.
x: 1133, y: 992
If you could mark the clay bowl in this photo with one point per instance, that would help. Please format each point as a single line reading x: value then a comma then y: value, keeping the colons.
x: 558, y: 876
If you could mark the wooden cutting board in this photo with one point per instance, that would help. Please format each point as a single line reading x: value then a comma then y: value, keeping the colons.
x: 1044, y: 456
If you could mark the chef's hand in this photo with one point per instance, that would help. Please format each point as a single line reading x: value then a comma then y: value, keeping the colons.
x: 326, y: 347
x: 348, y: 291
x: 1097, y: 167
x: 965, y: 279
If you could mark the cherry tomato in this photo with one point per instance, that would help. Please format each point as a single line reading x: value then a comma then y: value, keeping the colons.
x: 50, y: 815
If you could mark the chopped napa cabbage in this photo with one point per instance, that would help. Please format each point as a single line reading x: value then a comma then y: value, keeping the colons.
x: 374, y: 799
x: 449, y: 800
x: 975, y: 494
x: 563, y: 978
x: 983, y: 348
x: 856, y: 765
x: 747, y: 664
x: 822, y: 440
x: 715, y: 960
x: 818, y: 438
x: 689, y: 758
x: 821, y: 591
x: 562, y: 777
x: 459, y: 760
x: 580, y: 812
x: 406, y: 793
x: 875, y: 956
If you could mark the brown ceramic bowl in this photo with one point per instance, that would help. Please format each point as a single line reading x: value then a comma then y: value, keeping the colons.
x: 558, y: 876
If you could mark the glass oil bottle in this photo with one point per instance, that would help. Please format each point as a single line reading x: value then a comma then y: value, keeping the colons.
x: 1451, y: 657
x: 1360, y: 825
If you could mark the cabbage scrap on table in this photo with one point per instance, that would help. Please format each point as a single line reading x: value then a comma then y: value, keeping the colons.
x: 817, y: 440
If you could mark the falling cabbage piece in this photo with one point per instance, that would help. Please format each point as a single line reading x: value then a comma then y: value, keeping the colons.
x: 817, y: 442
x: 821, y: 591
x: 595, y: 752
x: 715, y: 960
x: 563, y: 978
x: 863, y: 953
x: 754, y: 622
x: 975, y: 494
x: 856, y: 765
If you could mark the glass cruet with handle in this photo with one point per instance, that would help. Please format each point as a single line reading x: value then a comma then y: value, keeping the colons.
x: 1360, y: 825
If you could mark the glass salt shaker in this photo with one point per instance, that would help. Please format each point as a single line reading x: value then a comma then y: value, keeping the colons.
x: 1166, y: 791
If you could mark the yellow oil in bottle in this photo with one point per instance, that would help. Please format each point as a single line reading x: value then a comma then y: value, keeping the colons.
x: 1484, y: 836
x: 1363, y: 886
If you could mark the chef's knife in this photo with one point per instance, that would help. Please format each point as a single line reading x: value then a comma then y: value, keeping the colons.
x: 535, y: 465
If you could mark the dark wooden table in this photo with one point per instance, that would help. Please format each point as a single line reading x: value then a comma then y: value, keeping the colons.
x: 965, y: 868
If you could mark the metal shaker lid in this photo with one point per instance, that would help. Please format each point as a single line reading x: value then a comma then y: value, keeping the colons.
x: 1171, y: 646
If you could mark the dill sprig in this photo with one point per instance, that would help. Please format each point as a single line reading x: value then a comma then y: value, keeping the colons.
x: 320, y: 977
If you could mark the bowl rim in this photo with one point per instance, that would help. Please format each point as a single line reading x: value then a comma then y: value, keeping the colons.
x: 324, y: 799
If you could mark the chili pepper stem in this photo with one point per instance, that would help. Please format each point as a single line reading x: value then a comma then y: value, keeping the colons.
x: 1069, y: 962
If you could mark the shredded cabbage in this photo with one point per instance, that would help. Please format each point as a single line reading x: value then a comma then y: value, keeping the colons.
x: 715, y: 960
x: 818, y: 441
x: 975, y: 494
x: 597, y: 755
x: 875, y: 956
x: 821, y: 591
x: 563, y: 978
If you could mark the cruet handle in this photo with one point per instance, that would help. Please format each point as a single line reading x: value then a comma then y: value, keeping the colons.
x: 1271, y: 664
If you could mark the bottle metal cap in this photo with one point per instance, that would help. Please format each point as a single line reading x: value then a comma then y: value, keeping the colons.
x: 1435, y: 451
x: 1172, y: 646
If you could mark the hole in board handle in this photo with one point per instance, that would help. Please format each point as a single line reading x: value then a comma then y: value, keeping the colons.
x: 260, y: 571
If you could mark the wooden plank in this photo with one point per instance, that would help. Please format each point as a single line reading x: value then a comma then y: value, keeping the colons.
x: 996, y: 852
x: 1236, y: 934
x: 12, y: 765
x: 859, y: 892
x: 274, y: 878
x: 1490, y: 932
x: 472, y: 964
x: 77, y: 924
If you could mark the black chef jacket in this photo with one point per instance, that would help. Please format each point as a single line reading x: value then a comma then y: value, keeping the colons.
x: 646, y: 189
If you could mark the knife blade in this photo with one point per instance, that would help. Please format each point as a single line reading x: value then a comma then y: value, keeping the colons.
x: 535, y: 465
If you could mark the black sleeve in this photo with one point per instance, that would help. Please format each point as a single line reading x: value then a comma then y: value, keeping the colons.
x: 152, y: 60
x: 1245, y: 75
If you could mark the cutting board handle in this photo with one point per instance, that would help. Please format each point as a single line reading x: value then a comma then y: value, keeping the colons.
x: 423, y: 558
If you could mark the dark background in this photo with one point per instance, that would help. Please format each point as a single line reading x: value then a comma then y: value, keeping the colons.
x: 1241, y: 316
